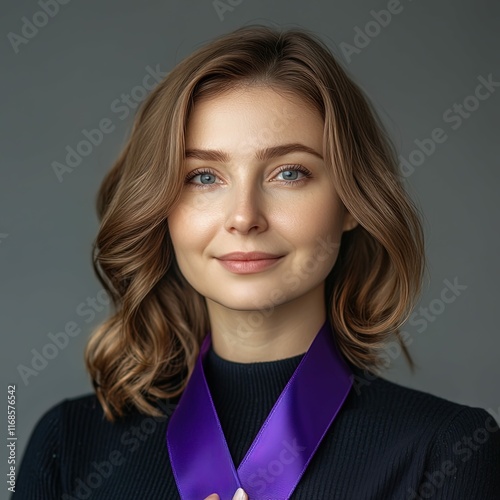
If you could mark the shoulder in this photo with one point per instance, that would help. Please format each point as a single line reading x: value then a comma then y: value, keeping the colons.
x: 49, y: 426
x: 39, y: 472
x: 451, y: 424
x: 65, y: 421
x: 67, y: 411
x: 378, y: 394
x: 74, y: 434
x: 86, y: 405
x: 453, y: 445
x: 413, y: 411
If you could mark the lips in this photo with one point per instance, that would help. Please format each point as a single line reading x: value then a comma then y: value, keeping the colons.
x: 246, y: 256
x: 248, y: 262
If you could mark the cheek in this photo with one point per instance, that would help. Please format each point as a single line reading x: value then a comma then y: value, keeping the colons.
x: 316, y: 234
x: 190, y: 229
x: 179, y: 236
x: 308, y: 220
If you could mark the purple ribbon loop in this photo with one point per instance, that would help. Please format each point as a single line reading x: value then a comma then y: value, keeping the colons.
x: 286, y: 442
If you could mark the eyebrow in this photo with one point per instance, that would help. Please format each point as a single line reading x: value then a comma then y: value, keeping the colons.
x: 262, y: 154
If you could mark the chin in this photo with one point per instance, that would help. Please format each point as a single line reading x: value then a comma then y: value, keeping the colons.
x: 247, y: 302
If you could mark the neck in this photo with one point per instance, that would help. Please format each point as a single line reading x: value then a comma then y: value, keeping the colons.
x: 280, y: 332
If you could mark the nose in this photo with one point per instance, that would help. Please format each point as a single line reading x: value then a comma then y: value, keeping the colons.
x: 245, y: 210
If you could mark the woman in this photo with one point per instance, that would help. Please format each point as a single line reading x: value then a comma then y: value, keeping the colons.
x: 261, y: 253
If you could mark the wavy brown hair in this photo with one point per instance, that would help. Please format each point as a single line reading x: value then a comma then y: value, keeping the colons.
x: 146, y: 350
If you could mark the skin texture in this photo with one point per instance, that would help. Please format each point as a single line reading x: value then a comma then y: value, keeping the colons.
x: 246, y: 204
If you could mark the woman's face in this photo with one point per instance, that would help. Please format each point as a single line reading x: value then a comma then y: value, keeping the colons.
x: 256, y: 182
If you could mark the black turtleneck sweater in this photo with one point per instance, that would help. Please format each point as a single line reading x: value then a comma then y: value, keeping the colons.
x: 387, y: 442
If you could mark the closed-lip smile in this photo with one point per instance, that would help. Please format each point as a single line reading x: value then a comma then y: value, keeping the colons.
x: 248, y: 256
x: 248, y: 262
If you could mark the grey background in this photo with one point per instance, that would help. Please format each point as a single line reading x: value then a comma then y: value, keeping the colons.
x: 66, y: 78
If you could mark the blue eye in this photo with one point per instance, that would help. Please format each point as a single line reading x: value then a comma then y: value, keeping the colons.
x: 206, y: 178
x: 289, y: 175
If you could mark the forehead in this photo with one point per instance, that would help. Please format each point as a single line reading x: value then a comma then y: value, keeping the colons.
x: 250, y: 118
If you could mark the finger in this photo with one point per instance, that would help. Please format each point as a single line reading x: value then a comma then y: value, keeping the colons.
x: 213, y: 496
x: 240, y: 494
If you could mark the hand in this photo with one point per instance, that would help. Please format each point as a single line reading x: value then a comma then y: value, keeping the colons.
x: 239, y: 495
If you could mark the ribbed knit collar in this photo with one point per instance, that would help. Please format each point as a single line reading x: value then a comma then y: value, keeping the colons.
x: 244, y: 394
x: 263, y: 379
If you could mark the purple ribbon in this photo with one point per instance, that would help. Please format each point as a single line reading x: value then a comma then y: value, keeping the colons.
x: 285, y: 444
